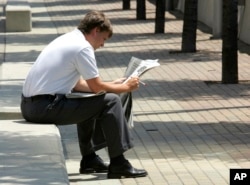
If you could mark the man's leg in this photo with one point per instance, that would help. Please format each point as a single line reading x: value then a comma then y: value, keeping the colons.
x: 106, y: 108
x: 116, y: 132
x: 88, y: 144
x: 90, y: 137
x: 109, y: 129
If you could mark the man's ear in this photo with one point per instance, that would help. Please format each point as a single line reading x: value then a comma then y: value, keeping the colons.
x: 95, y: 30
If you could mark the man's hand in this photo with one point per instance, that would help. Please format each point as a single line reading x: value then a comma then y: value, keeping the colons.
x: 133, y: 83
x: 117, y: 86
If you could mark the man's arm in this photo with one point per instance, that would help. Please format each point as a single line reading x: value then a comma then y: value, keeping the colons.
x: 96, y: 85
x: 82, y: 85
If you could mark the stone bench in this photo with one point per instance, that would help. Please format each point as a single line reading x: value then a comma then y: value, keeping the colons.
x: 31, y: 154
x: 18, y: 16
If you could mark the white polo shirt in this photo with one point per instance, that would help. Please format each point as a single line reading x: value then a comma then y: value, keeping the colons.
x: 60, y: 65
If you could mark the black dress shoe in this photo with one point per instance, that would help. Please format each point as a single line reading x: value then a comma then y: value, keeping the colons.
x: 94, y: 166
x: 126, y: 170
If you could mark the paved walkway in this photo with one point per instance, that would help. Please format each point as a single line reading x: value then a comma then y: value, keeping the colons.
x: 188, y: 130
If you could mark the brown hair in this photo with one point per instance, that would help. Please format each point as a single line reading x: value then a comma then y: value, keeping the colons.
x: 95, y: 19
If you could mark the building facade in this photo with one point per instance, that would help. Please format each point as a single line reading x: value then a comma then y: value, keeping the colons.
x: 210, y: 13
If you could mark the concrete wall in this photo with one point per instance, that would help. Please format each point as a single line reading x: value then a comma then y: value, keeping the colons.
x: 205, y: 12
x: 210, y: 13
x: 244, y: 24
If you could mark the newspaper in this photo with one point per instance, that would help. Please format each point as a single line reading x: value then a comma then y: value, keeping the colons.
x: 77, y: 94
x: 138, y: 67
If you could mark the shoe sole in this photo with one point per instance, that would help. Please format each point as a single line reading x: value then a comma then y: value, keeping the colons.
x: 91, y: 170
x: 122, y: 176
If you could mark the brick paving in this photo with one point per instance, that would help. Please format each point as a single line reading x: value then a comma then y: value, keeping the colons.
x: 188, y: 130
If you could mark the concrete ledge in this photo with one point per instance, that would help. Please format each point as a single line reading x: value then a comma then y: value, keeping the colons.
x: 10, y: 113
x: 18, y: 16
x: 31, y: 154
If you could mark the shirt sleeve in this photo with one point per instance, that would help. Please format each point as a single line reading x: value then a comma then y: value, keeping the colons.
x: 86, y: 64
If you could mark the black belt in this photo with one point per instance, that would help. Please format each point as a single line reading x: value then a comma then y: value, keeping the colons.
x: 39, y: 97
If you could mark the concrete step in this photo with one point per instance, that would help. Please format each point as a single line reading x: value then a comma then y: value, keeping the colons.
x: 31, y: 154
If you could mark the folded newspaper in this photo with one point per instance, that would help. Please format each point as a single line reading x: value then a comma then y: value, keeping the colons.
x: 136, y: 67
x: 76, y: 94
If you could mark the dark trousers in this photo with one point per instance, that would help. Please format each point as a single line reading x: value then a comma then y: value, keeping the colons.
x: 101, y: 120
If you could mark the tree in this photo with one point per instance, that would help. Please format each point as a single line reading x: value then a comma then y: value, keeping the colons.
x: 189, y: 26
x: 125, y: 4
x: 160, y: 16
x: 230, y: 42
x: 140, y: 10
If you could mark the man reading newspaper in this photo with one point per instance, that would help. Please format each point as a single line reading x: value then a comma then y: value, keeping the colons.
x: 67, y: 63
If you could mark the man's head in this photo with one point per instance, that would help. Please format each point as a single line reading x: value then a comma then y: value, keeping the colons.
x: 93, y: 23
x: 95, y: 19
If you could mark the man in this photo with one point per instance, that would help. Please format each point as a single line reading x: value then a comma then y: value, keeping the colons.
x: 68, y: 63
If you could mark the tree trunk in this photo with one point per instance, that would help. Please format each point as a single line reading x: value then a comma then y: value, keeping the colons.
x: 169, y: 5
x: 140, y: 10
x: 230, y: 42
x: 125, y: 4
x: 160, y: 16
x: 189, y: 26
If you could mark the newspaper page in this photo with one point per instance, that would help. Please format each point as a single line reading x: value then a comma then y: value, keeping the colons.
x: 84, y: 94
x: 137, y: 67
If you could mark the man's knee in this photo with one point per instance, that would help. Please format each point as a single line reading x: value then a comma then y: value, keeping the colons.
x: 113, y: 98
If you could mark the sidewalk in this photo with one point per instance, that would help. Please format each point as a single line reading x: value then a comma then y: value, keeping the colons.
x: 188, y: 130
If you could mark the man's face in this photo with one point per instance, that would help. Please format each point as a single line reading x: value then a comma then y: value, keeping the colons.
x: 100, y: 38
